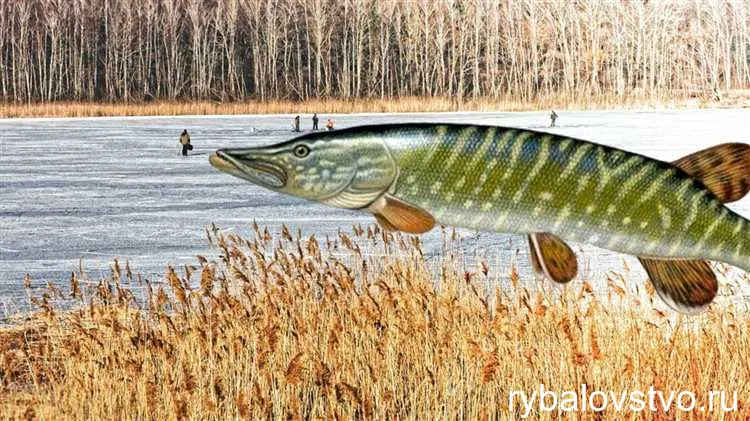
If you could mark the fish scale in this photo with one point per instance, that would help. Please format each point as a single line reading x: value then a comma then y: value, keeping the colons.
x: 627, y: 203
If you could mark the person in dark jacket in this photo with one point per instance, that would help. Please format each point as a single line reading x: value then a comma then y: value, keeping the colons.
x: 185, y: 142
x: 552, y: 118
x: 296, y: 124
x: 315, y: 121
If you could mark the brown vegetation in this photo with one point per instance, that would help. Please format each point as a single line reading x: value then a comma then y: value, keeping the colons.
x: 395, y: 105
x: 136, y: 50
x: 300, y: 328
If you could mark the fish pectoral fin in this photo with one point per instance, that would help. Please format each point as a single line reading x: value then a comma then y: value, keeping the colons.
x: 384, y: 223
x: 552, y: 257
x: 724, y: 170
x: 687, y: 286
x: 396, y: 215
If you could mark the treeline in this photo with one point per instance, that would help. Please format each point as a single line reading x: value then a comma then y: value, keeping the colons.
x: 134, y: 50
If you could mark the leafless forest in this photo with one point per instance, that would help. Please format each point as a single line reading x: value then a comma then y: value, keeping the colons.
x: 134, y: 50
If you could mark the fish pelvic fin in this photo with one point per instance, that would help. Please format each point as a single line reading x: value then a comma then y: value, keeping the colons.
x: 687, y: 286
x: 552, y: 257
x: 724, y: 170
x: 393, y: 214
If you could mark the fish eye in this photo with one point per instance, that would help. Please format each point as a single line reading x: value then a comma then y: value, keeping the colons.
x: 301, y: 151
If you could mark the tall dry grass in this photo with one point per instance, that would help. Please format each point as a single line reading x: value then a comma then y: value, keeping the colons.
x: 737, y: 98
x: 300, y: 328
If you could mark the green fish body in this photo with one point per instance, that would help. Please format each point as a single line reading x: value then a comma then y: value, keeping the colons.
x: 520, y: 181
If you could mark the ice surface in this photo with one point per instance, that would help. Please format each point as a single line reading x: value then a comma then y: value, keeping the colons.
x: 95, y: 189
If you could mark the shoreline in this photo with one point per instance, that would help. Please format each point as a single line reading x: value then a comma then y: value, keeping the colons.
x: 68, y: 109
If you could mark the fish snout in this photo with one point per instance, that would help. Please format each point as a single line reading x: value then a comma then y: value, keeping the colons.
x: 250, y: 167
x: 217, y: 161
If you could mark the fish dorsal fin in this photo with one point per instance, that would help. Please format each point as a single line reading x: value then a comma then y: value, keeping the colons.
x: 687, y: 286
x: 724, y: 170
x: 394, y: 214
x: 553, y: 257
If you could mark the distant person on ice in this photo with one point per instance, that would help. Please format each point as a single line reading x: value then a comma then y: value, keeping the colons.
x: 185, y: 142
x: 329, y: 124
x: 315, y: 121
x: 552, y: 118
x: 296, y: 124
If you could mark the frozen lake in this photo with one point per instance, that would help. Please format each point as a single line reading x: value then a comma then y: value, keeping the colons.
x: 96, y: 189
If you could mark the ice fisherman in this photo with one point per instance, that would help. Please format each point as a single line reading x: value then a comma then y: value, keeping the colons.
x: 185, y: 142
x: 296, y: 124
x: 552, y: 118
x: 329, y: 124
x: 315, y: 121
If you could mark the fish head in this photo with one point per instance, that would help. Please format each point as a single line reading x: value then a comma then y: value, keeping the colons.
x: 345, y: 169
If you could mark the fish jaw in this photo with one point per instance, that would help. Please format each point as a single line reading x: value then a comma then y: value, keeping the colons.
x: 257, y: 171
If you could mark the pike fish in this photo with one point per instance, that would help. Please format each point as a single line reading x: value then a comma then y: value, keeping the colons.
x: 549, y: 187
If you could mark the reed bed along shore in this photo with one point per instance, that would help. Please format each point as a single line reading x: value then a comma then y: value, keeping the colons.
x: 332, y: 105
x: 361, y: 326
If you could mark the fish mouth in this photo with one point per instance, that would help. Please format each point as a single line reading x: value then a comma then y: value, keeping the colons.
x: 254, y: 170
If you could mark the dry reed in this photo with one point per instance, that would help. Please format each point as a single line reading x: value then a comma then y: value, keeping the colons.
x: 296, y: 328
x: 737, y: 98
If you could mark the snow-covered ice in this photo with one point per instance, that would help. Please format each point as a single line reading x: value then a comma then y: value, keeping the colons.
x: 95, y: 189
